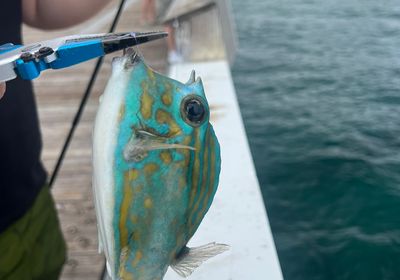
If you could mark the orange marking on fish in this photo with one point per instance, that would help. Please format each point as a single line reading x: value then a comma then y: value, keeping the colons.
x: 204, y: 176
x: 150, y: 168
x: 195, y: 168
x: 166, y: 157
x: 124, y: 210
x: 121, y: 112
x: 211, y: 187
x: 148, y: 203
x: 166, y: 98
x: 163, y: 117
x: 133, y: 174
x: 151, y: 75
x: 146, y: 102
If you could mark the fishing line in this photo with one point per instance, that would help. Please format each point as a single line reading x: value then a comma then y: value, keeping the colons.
x: 84, y: 99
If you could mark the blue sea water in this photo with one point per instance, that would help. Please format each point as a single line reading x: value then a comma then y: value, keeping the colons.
x: 319, y: 89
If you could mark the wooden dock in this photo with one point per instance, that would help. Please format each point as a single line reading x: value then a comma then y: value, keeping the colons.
x: 58, y: 94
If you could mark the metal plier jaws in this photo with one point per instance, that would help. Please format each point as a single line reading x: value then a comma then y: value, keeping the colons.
x: 28, y: 61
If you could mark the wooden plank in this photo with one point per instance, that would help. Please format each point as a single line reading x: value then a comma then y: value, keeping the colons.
x: 58, y: 94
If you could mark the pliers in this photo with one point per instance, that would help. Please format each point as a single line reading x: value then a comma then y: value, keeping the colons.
x: 28, y: 61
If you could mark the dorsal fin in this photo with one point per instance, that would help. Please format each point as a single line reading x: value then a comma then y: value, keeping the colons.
x: 192, y: 78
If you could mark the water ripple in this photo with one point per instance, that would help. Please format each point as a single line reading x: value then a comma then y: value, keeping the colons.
x: 319, y: 88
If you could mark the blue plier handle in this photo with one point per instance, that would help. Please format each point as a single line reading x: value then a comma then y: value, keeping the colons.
x: 28, y: 61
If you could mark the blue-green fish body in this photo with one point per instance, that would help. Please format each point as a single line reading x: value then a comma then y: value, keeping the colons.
x: 156, y: 166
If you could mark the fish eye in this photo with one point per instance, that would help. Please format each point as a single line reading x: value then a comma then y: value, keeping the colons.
x: 193, y: 110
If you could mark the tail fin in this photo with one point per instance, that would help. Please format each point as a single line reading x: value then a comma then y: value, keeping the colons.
x: 192, y: 258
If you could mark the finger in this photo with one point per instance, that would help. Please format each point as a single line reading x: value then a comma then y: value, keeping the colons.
x: 2, y: 89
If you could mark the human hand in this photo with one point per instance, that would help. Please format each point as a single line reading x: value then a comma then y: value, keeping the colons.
x: 2, y: 89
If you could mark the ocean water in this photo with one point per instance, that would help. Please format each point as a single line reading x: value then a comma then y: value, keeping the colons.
x: 319, y: 89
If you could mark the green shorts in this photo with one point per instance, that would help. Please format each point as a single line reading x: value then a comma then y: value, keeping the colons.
x: 33, y: 247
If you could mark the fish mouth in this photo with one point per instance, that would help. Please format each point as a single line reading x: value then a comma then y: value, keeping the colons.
x: 143, y: 141
x: 129, y: 58
x: 132, y: 57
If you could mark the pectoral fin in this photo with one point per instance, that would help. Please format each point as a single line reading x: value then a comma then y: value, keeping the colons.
x: 191, y: 258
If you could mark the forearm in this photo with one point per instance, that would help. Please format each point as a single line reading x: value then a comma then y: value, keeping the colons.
x: 53, y: 14
x: 2, y: 89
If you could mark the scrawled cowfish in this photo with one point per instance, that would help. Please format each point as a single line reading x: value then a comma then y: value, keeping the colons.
x: 156, y: 164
